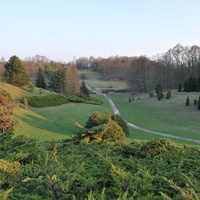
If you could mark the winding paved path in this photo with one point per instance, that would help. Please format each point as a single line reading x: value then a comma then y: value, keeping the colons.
x: 116, y: 111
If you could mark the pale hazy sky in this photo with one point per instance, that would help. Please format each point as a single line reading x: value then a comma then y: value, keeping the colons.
x: 64, y: 29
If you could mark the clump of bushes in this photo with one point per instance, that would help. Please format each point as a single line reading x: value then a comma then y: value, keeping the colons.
x: 57, y: 99
x: 47, y: 100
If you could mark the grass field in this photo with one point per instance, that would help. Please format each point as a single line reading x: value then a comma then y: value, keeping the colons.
x: 167, y: 116
x: 53, y: 123
x: 95, y: 81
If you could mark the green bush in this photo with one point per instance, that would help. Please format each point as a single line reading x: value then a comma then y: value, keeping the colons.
x: 63, y: 170
x: 187, y: 103
x: 57, y: 99
x: 47, y: 100
x: 84, y: 99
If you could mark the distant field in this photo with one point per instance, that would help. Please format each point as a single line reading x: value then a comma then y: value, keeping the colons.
x: 167, y: 116
x: 94, y: 80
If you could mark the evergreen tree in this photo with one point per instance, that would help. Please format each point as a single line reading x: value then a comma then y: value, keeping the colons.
x: 187, y: 103
x: 100, y: 129
x: 122, y: 123
x: 40, y: 81
x: 84, y: 90
x: 198, y: 85
x: 186, y: 86
x: 198, y: 106
x: 180, y: 87
x: 168, y: 94
x: 191, y: 84
x: 159, y: 91
x: 57, y: 81
x: 130, y: 100
x: 15, y: 72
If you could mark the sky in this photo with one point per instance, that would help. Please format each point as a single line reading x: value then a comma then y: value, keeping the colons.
x: 64, y: 30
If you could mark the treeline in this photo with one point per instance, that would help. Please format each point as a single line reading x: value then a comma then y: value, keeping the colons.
x: 171, y: 68
x: 143, y: 73
x: 192, y: 84
x: 59, y: 78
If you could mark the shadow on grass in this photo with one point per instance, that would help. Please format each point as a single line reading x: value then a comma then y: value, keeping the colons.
x: 44, y: 124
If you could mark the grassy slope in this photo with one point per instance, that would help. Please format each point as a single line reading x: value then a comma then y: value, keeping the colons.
x: 55, y: 122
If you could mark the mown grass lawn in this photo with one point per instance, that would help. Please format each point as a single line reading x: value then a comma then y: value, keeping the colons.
x: 52, y: 123
x: 167, y: 116
x: 95, y: 81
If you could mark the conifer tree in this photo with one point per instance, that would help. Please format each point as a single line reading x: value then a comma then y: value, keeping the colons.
x: 57, y: 81
x: 168, y: 94
x: 15, y: 72
x: 40, y: 81
x: 122, y: 123
x: 159, y: 91
x: 84, y: 90
x: 101, y: 129
x: 187, y: 103
x: 180, y: 87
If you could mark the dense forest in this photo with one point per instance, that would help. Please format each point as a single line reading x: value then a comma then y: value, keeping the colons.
x: 142, y: 73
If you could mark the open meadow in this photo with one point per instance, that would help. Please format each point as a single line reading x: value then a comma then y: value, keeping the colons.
x: 54, y: 123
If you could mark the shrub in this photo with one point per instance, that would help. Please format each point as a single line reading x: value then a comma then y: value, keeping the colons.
x: 25, y: 103
x: 168, y: 94
x: 150, y: 94
x: 122, y: 123
x: 100, y: 129
x: 187, y: 103
x: 57, y: 99
x: 47, y: 100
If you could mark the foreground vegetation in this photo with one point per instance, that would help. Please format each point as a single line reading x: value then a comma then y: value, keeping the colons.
x: 157, y: 169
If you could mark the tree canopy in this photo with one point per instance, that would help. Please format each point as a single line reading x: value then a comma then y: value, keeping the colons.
x: 15, y: 72
x: 40, y: 81
x: 6, y: 111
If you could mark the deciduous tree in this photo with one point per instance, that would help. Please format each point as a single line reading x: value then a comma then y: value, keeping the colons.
x: 72, y: 80
x: 6, y: 111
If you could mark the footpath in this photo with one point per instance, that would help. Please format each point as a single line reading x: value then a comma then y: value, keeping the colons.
x: 116, y: 112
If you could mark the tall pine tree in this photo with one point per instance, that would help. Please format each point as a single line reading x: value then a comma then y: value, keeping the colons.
x: 84, y: 90
x: 15, y: 72
x: 40, y: 81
